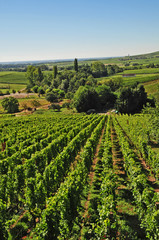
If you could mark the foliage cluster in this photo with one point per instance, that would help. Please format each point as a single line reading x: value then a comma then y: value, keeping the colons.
x: 10, y: 104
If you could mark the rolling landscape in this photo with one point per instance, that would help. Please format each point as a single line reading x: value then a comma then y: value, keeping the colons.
x: 66, y: 174
x: 79, y: 120
x: 144, y: 67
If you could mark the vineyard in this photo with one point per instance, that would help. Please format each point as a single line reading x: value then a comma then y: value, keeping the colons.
x: 79, y: 177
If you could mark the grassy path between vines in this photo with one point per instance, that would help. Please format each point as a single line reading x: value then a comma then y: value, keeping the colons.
x: 91, y: 178
x: 126, y: 212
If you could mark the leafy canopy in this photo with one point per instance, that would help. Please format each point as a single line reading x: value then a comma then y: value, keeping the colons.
x: 85, y: 98
x: 10, y: 104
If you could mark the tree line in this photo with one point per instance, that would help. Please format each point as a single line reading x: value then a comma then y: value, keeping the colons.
x: 81, y: 85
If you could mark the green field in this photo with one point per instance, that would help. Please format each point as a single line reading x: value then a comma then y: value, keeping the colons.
x: 13, y: 78
x: 141, y: 78
x: 10, y: 80
x: 141, y: 71
x: 152, y: 88
x: 10, y: 87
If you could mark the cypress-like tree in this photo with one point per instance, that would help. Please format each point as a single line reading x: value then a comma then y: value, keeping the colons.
x: 76, y: 65
x: 54, y: 72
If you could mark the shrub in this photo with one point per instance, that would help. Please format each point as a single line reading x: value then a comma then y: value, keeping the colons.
x: 56, y: 107
x: 10, y: 104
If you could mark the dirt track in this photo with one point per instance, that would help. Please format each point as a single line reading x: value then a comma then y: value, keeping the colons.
x: 18, y: 95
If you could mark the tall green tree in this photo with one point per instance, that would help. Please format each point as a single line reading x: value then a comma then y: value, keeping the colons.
x: 54, y: 71
x: 34, y: 75
x: 98, y: 69
x: 132, y: 101
x: 76, y: 65
x: 86, y: 98
x: 38, y: 76
x: 106, y: 97
x: 30, y: 75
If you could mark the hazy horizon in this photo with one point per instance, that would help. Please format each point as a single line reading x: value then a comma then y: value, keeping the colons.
x: 70, y: 59
x: 52, y: 30
x: 59, y: 60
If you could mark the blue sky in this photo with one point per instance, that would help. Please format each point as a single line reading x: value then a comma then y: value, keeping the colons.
x: 41, y: 30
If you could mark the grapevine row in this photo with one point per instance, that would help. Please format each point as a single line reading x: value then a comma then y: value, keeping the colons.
x: 57, y: 219
x: 145, y: 197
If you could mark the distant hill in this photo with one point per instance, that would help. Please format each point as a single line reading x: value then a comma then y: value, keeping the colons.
x: 82, y: 60
x: 147, y: 55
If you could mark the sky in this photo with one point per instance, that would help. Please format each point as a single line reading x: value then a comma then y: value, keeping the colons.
x: 68, y: 29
